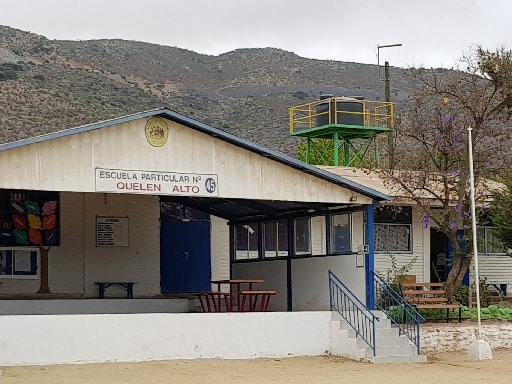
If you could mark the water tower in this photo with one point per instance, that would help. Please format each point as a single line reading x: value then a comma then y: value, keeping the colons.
x: 342, y: 130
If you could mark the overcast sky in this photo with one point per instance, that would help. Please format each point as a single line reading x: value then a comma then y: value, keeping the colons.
x: 433, y: 33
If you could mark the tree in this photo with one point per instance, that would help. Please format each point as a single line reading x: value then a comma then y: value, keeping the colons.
x: 44, y: 287
x: 501, y: 217
x: 323, y: 153
x: 430, y: 159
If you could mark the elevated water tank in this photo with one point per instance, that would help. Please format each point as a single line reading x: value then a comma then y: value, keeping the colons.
x: 343, y: 110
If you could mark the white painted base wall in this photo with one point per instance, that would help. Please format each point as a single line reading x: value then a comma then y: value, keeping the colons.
x: 56, y: 339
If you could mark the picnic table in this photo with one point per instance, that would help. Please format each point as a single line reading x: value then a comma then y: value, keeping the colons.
x: 235, y: 295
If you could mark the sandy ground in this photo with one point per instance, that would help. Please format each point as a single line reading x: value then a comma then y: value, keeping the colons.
x: 442, y: 368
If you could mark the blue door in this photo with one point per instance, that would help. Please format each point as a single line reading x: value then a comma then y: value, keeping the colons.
x: 185, y: 251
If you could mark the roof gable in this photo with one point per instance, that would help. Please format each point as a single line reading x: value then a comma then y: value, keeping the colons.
x: 216, y: 133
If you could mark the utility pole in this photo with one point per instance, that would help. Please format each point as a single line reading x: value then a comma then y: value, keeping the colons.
x: 387, y: 95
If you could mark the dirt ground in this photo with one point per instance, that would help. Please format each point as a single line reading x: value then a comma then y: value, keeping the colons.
x: 442, y: 368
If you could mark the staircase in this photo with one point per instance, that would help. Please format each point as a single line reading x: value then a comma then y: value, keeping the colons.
x: 370, y: 335
x: 390, y: 346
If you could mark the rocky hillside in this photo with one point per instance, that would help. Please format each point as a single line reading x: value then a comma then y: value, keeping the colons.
x: 48, y: 85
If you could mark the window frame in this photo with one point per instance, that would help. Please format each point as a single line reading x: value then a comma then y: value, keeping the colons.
x: 307, y: 238
x: 332, y: 235
x: 8, y: 260
x: 388, y: 226
x: 485, y: 242
x: 277, y: 252
x: 402, y: 218
x: 250, y: 253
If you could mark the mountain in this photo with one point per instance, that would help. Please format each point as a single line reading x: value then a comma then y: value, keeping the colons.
x: 49, y: 85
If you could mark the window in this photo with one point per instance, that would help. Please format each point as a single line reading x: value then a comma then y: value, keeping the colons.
x: 393, y: 229
x: 302, y: 236
x: 276, y: 239
x: 18, y: 262
x: 487, y: 242
x: 246, y: 241
x: 341, y: 239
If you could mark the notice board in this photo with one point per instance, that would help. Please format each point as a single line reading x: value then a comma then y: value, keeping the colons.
x: 112, y: 232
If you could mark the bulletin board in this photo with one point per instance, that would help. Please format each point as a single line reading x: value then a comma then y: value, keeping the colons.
x: 112, y: 232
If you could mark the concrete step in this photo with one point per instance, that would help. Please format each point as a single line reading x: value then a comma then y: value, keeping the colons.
x: 381, y: 324
x: 396, y: 341
x: 403, y: 350
x: 390, y: 347
x: 397, y: 359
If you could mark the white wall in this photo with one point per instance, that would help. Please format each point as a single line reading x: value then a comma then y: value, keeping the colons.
x: 274, y: 274
x: 241, y: 173
x: 77, y: 263
x: 140, y: 261
x: 318, y: 236
x: 310, y: 280
x: 219, y: 248
x: 497, y: 269
x: 57, y: 339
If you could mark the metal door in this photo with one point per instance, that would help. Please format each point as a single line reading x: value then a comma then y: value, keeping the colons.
x: 185, y: 251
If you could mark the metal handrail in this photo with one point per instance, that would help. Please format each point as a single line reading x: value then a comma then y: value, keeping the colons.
x: 373, y: 113
x: 352, y: 310
x: 398, y: 310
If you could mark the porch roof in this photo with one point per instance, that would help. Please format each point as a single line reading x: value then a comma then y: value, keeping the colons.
x: 246, y: 211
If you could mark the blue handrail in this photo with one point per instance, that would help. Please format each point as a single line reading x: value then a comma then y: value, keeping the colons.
x: 355, y: 313
x: 398, y: 310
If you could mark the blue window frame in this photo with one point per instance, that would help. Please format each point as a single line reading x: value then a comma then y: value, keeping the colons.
x: 341, y: 236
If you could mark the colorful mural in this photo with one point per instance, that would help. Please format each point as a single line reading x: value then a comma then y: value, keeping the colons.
x: 29, y: 218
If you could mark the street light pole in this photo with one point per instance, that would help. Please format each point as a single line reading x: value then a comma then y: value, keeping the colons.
x: 478, y: 349
x: 378, y: 52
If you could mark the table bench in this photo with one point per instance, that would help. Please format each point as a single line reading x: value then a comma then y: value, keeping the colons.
x: 429, y: 296
x: 264, y: 300
x: 127, y: 285
x: 213, y: 301
x: 250, y: 301
x: 234, y: 287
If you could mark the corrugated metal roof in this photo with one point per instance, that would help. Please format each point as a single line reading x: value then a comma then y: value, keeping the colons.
x: 376, y: 194
x: 371, y: 179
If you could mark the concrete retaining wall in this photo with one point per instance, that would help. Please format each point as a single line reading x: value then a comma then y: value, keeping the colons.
x: 54, y: 339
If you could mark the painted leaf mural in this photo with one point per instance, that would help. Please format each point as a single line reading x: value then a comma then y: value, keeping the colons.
x: 29, y: 218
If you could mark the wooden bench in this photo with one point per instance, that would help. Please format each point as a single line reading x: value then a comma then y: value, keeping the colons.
x: 127, y: 285
x: 252, y: 298
x: 429, y: 296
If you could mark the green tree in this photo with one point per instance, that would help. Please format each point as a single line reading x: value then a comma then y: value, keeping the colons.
x: 430, y: 159
x: 501, y: 217
x: 322, y: 153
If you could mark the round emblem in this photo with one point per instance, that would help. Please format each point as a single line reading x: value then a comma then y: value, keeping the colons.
x: 157, y: 132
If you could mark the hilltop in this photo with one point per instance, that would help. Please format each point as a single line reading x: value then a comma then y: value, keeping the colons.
x: 48, y: 85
